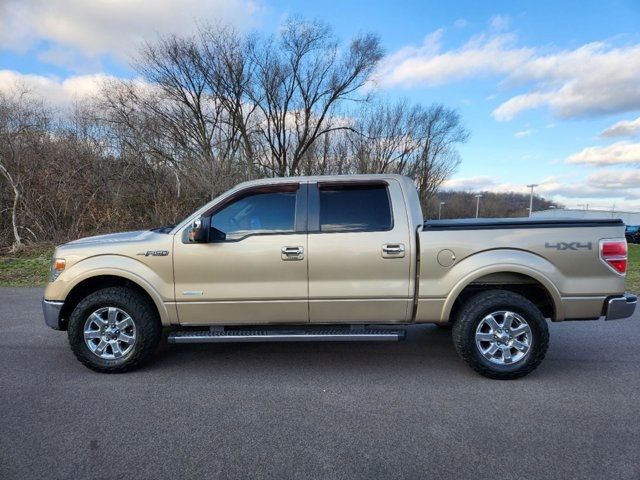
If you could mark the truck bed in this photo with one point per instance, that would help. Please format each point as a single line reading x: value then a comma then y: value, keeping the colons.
x: 558, y: 257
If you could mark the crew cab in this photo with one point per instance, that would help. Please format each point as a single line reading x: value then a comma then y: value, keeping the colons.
x: 336, y: 258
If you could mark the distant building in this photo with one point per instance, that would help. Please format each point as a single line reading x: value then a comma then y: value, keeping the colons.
x: 629, y: 218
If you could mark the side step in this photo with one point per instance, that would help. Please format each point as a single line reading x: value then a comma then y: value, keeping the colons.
x: 287, y: 335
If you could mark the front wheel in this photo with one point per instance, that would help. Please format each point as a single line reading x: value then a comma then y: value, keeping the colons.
x: 501, y: 334
x: 114, y: 330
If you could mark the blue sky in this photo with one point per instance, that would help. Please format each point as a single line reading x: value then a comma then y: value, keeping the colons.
x: 549, y: 90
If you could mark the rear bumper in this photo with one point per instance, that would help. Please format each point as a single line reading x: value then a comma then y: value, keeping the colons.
x: 621, y: 307
x: 51, y: 311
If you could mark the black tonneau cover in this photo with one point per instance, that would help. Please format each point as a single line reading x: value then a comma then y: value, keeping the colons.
x: 505, y: 223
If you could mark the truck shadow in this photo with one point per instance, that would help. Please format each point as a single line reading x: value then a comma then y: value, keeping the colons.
x: 427, y: 354
x: 426, y: 347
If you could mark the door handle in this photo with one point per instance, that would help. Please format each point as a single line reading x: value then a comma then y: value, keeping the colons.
x: 292, y: 253
x: 393, y: 250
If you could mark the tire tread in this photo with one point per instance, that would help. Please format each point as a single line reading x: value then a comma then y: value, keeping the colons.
x: 497, y: 299
x: 148, y: 329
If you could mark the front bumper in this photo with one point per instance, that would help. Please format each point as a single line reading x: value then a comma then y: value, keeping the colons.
x: 620, y: 307
x: 51, y: 311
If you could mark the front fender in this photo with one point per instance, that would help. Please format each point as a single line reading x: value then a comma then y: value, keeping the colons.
x: 159, y: 287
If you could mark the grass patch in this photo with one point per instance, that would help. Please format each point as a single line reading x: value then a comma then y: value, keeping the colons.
x: 29, y: 268
x: 633, y: 269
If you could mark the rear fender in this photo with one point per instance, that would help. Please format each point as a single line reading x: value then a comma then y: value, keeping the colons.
x: 504, y: 261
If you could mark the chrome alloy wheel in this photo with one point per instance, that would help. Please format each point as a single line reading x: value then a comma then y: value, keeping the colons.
x: 110, y: 333
x: 503, y: 337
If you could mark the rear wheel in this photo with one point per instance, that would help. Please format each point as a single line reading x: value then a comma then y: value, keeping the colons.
x: 501, y: 334
x: 114, y: 330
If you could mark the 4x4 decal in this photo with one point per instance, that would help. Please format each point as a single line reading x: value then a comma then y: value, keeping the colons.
x: 569, y: 245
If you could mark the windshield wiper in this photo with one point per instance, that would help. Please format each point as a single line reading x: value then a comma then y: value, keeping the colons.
x: 165, y: 229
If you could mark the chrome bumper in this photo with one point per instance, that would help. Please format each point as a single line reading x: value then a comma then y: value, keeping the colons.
x: 51, y: 311
x: 621, y: 307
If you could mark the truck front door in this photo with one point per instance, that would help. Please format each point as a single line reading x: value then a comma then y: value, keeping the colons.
x: 254, y: 269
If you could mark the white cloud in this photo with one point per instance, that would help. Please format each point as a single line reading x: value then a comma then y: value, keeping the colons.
x: 619, y: 187
x: 460, y: 23
x: 577, y: 189
x: 624, y: 128
x: 429, y: 65
x: 469, y: 183
x: 616, y: 154
x: 615, y: 179
x: 499, y: 22
x: 117, y: 27
x: 591, y: 80
x: 57, y: 92
x: 523, y: 133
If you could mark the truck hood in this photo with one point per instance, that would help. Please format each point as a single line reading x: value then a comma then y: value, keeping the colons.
x: 121, y: 237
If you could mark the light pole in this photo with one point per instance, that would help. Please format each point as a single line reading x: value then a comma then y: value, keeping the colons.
x: 532, y: 186
x: 478, y: 197
x: 440, y: 209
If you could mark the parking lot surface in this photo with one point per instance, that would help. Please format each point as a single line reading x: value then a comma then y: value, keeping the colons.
x: 410, y: 409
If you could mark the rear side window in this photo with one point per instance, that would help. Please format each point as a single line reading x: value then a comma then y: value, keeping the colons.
x: 258, y: 213
x: 359, y: 208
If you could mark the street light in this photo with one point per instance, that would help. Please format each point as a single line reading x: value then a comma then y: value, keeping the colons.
x: 532, y: 186
x: 478, y: 197
x: 440, y: 209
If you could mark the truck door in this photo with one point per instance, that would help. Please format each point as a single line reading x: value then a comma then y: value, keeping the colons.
x: 359, y: 253
x: 254, y: 271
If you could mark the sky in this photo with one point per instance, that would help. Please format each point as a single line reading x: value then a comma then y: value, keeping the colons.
x: 550, y: 90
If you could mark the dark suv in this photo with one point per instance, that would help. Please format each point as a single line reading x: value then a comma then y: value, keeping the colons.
x: 632, y: 233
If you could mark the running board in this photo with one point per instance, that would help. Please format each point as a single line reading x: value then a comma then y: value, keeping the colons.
x: 289, y: 335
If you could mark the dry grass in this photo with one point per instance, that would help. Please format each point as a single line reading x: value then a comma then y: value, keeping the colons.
x: 29, y: 268
x: 633, y: 269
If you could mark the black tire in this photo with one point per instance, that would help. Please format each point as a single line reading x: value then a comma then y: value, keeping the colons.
x: 144, y: 316
x: 478, y: 307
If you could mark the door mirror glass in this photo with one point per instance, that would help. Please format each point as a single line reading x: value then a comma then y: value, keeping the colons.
x: 198, y: 231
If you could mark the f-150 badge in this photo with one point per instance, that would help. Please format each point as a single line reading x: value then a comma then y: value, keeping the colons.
x: 155, y: 253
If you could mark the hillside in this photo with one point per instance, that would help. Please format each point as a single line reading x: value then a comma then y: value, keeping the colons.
x: 460, y: 204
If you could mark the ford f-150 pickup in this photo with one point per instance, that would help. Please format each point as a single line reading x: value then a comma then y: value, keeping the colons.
x: 336, y: 258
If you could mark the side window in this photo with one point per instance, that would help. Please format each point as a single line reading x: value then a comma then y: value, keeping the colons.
x: 355, y: 208
x: 255, y: 213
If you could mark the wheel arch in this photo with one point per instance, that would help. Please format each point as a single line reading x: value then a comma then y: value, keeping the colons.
x: 92, y: 283
x: 520, y: 279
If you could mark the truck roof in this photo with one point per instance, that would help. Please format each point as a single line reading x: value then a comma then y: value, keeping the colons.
x: 324, y: 178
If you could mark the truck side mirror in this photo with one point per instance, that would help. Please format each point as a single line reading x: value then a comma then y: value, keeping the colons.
x: 198, y: 231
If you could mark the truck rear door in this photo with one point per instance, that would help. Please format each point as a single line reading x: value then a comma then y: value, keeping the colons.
x: 359, y: 255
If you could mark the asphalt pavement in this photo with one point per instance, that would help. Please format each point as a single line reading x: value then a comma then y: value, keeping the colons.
x: 409, y: 410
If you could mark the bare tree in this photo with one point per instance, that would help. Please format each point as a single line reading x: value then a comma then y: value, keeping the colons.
x: 411, y: 140
x: 300, y: 80
x: 21, y: 118
x: 440, y: 130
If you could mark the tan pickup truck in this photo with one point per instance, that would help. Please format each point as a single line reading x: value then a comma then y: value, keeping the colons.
x: 340, y: 258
